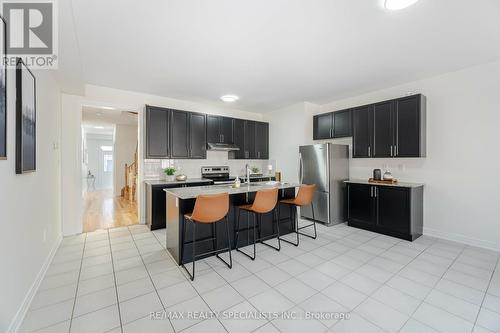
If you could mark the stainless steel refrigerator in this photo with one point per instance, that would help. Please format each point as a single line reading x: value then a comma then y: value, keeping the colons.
x: 327, y: 166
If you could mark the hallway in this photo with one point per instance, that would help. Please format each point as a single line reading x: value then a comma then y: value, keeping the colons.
x: 103, y: 210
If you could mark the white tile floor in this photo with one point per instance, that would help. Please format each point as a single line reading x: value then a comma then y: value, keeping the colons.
x: 110, y: 281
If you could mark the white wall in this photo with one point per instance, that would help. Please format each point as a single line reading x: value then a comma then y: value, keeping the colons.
x: 124, y: 149
x: 287, y: 131
x: 71, y: 139
x: 29, y: 203
x: 462, y: 164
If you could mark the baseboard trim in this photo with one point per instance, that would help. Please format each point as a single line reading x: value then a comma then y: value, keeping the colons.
x: 21, y: 313
x: 462, y: 239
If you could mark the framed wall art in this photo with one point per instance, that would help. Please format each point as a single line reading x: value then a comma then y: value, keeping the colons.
x: 25, y: 119
x: 3, y: 90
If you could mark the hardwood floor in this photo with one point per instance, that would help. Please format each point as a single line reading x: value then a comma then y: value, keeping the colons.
x: 103, y: 210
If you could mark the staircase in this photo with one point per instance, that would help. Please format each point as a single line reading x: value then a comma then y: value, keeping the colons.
x: 129, y: 190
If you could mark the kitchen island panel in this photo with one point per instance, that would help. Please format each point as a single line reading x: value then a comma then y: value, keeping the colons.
x: 177, y: 228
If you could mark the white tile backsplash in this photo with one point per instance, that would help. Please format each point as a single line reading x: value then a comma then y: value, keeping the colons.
x: 153, y: 169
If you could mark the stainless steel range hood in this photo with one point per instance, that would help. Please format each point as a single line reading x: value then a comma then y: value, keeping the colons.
x: 222, y: 146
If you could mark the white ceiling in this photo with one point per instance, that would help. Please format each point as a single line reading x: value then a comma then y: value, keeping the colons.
x: 92, y: 115
x: 270, y: 53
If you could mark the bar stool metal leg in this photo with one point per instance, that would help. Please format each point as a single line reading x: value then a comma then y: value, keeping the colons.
x: 294, y: 224
x: 230, y: 264
x: 194, y: 253
x: 248, y: 230
x: 311, y: 224
x: 262, y: 241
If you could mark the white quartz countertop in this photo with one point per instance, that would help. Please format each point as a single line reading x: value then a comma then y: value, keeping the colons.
x: 399, y: 184
x: 175, y: 182
x: 193, y: 192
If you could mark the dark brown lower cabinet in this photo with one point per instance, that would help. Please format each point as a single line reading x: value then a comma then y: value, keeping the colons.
x: 391, y: 210
x: 156, y: 214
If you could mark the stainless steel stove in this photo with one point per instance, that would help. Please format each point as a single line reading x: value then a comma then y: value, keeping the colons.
x: 219, y: 174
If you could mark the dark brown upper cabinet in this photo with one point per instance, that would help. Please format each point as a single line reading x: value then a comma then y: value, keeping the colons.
x: 184, y: 135
x: 157, y: 132
x: 179, y: 134
x: 197, y: 135
x: 410, y: 127
x: 323, y: 126
x: 219, y: 129
x: 342, y: 123
x: 239, y: 139
x: 249, y: 146
x: 252, y: 137
x: 393, y: 128
x: 332, y: 125
x: 362, y: 127
x: 383, y: 129
x: 261, y: 140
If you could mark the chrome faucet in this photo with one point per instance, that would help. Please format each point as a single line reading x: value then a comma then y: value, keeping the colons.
x: 247, y: 168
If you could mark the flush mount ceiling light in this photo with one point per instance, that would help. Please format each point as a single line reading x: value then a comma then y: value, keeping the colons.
x: 398, y: 4
x: 229, y: 98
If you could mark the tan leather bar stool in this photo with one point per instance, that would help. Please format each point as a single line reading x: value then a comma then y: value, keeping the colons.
x: 304, y: 197
x: 265, y: 202
x: 208, y: 209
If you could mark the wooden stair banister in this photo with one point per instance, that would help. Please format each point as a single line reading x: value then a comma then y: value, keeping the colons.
x: 129, y: 190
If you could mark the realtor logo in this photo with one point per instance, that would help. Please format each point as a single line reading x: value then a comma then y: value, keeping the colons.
x: 31, y: 32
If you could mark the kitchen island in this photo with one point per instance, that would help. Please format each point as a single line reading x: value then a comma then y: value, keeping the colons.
x: 180, y: 201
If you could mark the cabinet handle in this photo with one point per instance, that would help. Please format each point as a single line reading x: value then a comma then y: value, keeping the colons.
x: 222, y: 137
x: 371, y: 191
x: 391, y: 150
x: 376, y: 191
x: 397, y: 150
x: 369, y: 151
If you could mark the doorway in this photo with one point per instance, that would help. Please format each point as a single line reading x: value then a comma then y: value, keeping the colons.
x: 109, y: 168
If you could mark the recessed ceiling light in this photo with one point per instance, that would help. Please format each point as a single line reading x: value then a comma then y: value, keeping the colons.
x: 398, y: 4
x: 107, y: 107
x: 229, y: 98
x: 98, y: 127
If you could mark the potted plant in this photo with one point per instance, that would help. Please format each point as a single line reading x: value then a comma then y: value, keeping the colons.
x: 169, y: 172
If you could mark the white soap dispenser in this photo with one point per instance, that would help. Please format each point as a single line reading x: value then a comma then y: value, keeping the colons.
x: 237, y: 182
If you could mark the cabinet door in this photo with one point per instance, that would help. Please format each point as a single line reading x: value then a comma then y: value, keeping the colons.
x: 323, y: 126
x: 197, y: 136
x: 408, y: 127
x: 213, y: 129
x: 342, y: 124
x: 262, y: 140
x: 239, y: 139
x: 179, y: 138
x: 226, y: 130
x: 383, y: 129
x: 362, y: 118
x: 157, y: 132
x: 250, y: 140
x: 393, y: 207
x: 360, y: 204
